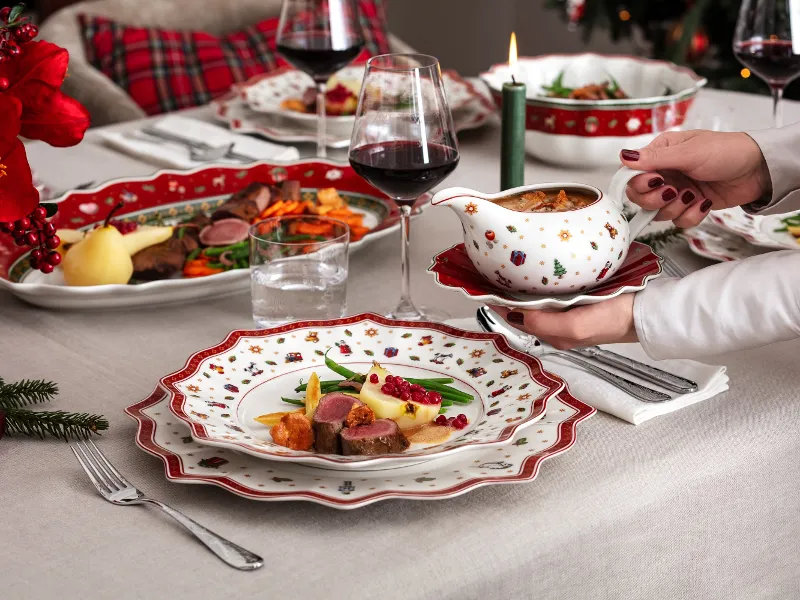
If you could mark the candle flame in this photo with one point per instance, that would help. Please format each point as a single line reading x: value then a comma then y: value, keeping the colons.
x: 512, y: 51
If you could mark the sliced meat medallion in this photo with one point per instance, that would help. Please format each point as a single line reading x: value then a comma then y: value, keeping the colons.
x: 225, y: 232
x: 381, y: 437
x: 246, y: 204
x: 328, y: 421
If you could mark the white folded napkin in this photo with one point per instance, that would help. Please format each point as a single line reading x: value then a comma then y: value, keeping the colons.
x: 711, y: 380
x: 170, y: 154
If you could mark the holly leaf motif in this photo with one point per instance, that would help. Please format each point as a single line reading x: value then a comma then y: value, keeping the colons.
x: 449, y: 344
x: 524, y: 385
x: 281, y: 340
x: 369, y: 353
x: 415, y: 358
x: 521, y: 442
x: 348, y: 333
x: 497, y: 360
x: 490, y: 383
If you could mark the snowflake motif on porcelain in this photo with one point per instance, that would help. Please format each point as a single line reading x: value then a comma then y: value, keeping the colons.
x: 633, y: 124
x: 371, y: 332
x: 471, y: 208
x: 333, y: 175
x: 255, y: 349
x: 564, y: 235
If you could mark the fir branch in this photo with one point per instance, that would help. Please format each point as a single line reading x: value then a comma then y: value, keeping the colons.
x: 55, y: 423
x: 660, y: 239
x: 27, y: 391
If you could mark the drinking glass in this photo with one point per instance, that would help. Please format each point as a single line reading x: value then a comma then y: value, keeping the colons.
x: 319, y: 37
x: 298, y: 269
x: 765, y: 44
x: 404, y: 144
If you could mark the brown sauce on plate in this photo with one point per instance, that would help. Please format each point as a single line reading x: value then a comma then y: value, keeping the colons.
x: 429, y: 433
x: 547, y: 201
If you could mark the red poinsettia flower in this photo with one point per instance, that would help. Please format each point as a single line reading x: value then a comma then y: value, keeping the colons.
x: 35, y: 80
x: 18, y: 197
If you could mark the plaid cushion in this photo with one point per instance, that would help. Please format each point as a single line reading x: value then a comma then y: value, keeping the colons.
x: 165, y: 70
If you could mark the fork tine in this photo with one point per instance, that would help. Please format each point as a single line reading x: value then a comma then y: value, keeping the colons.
x: 103, y: 458
x: 107, y: 476
x: 94, y: 476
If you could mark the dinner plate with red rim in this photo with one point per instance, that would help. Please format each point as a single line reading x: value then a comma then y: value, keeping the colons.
x: 186, y: 461
x: 454, y: 270
x: 168, y: 196
x: 221, y: 389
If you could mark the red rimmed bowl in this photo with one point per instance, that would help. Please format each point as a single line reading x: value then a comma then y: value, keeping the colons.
x: 589, y: 133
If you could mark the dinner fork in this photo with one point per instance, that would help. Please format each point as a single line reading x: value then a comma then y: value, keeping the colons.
x: 198, y: 148
x: 672, y: 269
x: 117, y: 490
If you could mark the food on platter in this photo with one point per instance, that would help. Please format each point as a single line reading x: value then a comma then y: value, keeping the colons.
x: 122, y: 251
x: 547, y: 201
x: 340, y: 101
x: 367, y: 414
x: 605, y: 90
x: 791, y: 225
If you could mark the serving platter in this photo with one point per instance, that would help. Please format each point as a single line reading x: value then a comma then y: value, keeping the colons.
x: 221, y: 390
x: 232, y: 109
x: 454, y: 270
x: 167, y: 196
x: 160, y: 434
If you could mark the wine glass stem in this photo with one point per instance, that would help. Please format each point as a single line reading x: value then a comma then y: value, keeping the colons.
x: 321, y: 148
x: 406, y: 305
x: 777, y: 106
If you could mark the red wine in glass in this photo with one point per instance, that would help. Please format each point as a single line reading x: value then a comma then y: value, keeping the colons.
x: 314, y: 53
x: 404, y: 170
x: 772, y: 60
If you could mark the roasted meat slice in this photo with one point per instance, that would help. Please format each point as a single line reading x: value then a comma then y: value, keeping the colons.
x: 246, y: 204
x: 329, y: 419
x: 381, y: 437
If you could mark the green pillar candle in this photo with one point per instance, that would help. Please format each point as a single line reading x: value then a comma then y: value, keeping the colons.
x: 512, y: 150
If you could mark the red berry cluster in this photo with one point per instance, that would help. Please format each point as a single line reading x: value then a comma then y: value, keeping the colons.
x: 459, y: 422
x: 12, y: 36
x: 35, y: 231
x: 399, y: 388
x: 123, y: 227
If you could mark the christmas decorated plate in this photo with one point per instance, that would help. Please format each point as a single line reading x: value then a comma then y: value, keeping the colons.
x: 454, y: 270
x: 716, y: 243
x: 169, y: 196
x: 233, y: 109
x: 186, y: 461
x: 221, y: 390
x: 757, y: 230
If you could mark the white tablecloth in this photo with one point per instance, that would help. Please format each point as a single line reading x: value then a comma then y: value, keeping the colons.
x: 702, y: 503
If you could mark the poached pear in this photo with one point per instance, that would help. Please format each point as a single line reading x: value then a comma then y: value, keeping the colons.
x: 144, y: 237
x: 100, y: 258
x: 406, y: 413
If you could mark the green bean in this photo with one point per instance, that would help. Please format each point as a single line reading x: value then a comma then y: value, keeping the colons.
x: 215, y: 265
x: 193, y: 254
x: 295, y: 402
x: 343, y: 371
x: 446, y: 402
x: 242, y: 264
x: 217, y: 250
x: 442, y: 411
x: 430, y: 380
x: 240, y: 254
x: 781, y: 230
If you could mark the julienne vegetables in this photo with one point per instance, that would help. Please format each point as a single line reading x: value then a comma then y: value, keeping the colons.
x: 606, y: 90
x: 791, y: 225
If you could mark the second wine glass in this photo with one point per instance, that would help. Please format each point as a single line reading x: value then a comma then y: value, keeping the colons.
x: 320, y: 37
x: 404, y: 144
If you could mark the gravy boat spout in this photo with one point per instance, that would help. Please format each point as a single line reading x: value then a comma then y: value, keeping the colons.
x: 466, y: 202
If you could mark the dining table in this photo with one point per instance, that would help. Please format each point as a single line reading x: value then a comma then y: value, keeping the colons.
x: 699, y: 503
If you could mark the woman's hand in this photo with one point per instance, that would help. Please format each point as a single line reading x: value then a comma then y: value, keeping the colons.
x: 606, y: 322
x: 691, y: 172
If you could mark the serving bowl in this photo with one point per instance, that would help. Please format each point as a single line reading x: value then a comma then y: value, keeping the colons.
x: 591, y: 133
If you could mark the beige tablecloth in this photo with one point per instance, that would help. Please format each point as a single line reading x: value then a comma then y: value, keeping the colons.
x: 702, y: 503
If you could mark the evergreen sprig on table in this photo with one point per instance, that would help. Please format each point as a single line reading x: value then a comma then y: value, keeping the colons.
x: 661, y: 239
x: 14, y: 419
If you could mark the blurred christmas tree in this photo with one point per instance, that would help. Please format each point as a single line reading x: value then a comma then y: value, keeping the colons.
x: 695, y: 33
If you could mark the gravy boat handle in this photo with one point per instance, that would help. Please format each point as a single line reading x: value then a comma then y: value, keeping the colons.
x: 616, y: 191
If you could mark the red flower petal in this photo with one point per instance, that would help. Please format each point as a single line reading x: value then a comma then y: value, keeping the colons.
x: 10, y: 110
x: 38, y: 61
x: 18, y: 197
x: 52, y: 116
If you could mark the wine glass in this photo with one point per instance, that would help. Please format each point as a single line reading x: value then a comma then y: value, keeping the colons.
x: 763, y: 43
x: 319, y: 37
x: 404, y: 144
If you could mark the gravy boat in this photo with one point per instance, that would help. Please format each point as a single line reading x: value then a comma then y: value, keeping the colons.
x: 547, y: 253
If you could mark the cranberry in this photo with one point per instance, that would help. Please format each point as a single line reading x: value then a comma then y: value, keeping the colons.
x: 434, y: 397
x: 389, y: 379
x: 49, y: 229
x: 405, y: 396
x: 37, y: 254
x: 46, y: 268
x: 374, y: 378
x: 24, y: 223
x: 417, y: 388
x: 54, y: 258
x: 450, y: 421
x: 417, y: 397
x: 388, y: 389
x: 441, y: 420
x: 32, y: 238
x: 52, y: 242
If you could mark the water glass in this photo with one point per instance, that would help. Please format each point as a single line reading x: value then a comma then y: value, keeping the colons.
x: 298, y: 269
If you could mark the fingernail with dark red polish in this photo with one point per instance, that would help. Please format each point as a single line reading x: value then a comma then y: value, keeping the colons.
x: 706, y: 206
x: 688, y: 197
x: 516, y: 317
x: 669, y: 194
x: 630, y: 155
x: 655, y: 182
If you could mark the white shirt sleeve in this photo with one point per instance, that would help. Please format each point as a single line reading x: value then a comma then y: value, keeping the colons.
x: 723, y: 308
x: 781, y: 151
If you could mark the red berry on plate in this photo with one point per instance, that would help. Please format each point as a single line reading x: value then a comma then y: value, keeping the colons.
x: 46, y: 268
x: 49, y: 229
x: 434, y: 397
x: 52, y: 242
x: 405, y: 396
x: 54, y: 258
x: 374, y: 378
x: 441, y: 420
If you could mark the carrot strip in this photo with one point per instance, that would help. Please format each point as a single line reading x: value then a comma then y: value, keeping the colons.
x: 271, y: 210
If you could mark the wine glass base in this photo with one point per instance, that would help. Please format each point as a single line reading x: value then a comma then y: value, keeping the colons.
x: 422, y: 313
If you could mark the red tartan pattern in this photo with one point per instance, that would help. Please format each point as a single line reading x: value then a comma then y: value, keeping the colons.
x: 164, y: 71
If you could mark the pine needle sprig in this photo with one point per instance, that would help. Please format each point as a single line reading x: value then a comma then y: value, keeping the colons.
x: 25, y: 392
x: 660, y: 239
x: 55, y: 423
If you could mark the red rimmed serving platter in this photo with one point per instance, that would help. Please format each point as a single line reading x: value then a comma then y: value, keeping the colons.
x: 221, y: 390
x: 454, y: 270
x: 185, y: 461
x: 169, y: 196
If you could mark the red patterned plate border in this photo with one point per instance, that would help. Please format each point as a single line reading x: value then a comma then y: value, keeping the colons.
x: 551, y: 383
x: 454, y: 270
x: 175, y: 469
